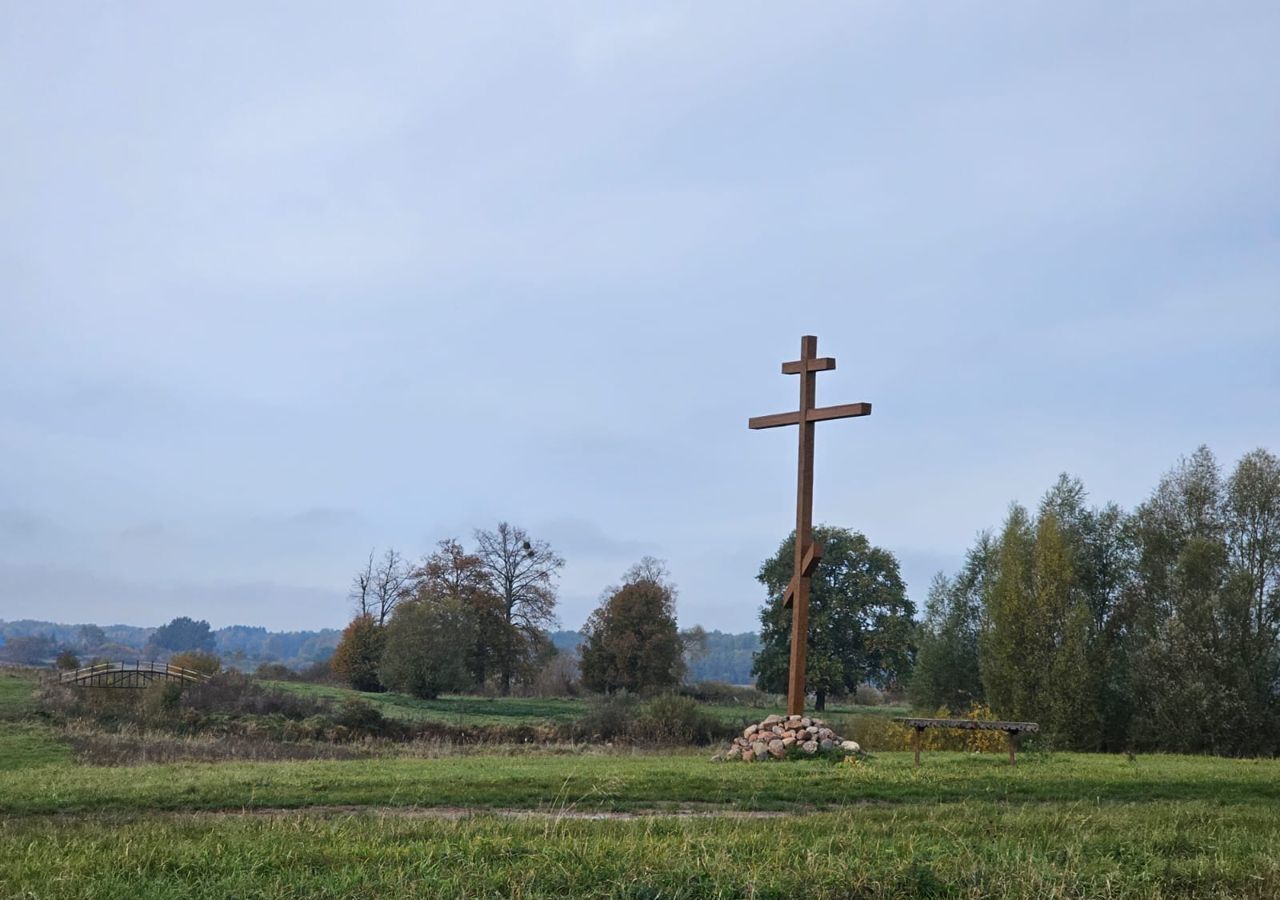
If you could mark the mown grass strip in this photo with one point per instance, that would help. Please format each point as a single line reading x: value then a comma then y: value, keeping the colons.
x: 620, y: 782
x: 967, y: 850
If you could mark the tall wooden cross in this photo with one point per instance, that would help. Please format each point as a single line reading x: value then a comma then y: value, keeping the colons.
x: 808, y: 554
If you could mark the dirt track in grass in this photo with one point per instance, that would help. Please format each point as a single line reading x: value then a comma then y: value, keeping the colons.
x: 446, y: 813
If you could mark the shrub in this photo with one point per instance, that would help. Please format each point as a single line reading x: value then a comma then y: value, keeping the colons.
x: 234, y: 694
x: 275, y: 672
x: 227, y: 706
x: 67, y: 660
x: 964, y: 739
x: 26, y: 650
x: 868, y: 695
x: 880, y: 733
x: 668, y: 719
x: 672, y: 719
x: 364, y: 719
x: 874, y: 732
x: 196, y: 661
x: 558, y: 677
x: 724, y: 693
x: 318, y: 673
x: 607, y: 718
x: 160, y: 700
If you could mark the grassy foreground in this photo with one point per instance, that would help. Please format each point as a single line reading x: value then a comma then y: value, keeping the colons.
x: 513, y: 823
x: 975, y: 849
x: 1064, y: 825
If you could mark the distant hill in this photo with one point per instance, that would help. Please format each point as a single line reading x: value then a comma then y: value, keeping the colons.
x: 728, y: 657
x: 567, y: 641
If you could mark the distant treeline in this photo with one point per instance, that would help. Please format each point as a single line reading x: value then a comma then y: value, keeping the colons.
x: 242, y: 646
x: 727, y: 657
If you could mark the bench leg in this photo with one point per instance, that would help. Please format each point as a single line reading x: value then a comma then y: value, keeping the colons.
x: 915, y: 741
x: 1013, y: 747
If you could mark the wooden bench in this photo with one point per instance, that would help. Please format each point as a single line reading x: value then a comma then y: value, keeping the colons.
x: 1013, y: 730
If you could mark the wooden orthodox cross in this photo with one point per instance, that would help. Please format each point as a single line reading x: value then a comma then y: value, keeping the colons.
x: 808, y: 554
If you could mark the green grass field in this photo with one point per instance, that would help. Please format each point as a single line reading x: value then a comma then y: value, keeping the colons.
x: 450, y: 710
x: 466, y: 710
x: 519, y: 823
x: 25, y: 741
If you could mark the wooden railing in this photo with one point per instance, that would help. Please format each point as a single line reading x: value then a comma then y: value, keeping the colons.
x: 138, y: 674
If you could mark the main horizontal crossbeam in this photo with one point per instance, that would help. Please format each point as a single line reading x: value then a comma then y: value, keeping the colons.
x: 812, y: 364
x: 844, y: 411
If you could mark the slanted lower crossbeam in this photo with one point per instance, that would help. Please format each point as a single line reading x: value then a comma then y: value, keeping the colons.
x: 812, y: 557
x: 845, y: 411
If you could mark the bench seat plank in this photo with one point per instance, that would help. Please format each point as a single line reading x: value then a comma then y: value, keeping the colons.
x: 973, y: 724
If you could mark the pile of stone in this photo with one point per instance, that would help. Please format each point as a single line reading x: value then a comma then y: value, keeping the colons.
x: 776, y: 736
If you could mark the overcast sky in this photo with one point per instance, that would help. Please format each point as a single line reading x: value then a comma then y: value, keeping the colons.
x: 285, y: 282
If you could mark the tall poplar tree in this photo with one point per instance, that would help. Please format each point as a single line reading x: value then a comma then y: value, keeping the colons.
x: 1013, y: 660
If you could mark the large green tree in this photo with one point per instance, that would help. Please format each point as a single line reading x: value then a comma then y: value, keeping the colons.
x: 631, y: 641
x: 428, y: 646
x: 451, y: 573
x: 860, y: 619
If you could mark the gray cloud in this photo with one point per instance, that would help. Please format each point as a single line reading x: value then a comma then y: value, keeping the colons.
x: 70, y: 594
x: 269, y: 303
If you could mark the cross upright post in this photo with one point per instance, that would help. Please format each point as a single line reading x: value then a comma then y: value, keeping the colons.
x: 807, y: 553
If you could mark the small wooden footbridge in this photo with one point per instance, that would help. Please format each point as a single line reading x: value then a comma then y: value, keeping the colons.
x: 137, y: 674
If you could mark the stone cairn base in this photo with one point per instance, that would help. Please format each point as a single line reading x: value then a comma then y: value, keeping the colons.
x: 775, y: 737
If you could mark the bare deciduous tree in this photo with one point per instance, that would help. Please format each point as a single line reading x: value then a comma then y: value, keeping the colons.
x: 361, y: 588
x: 523, y: 575
x: 650, y: 568
x: 391, y: 583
